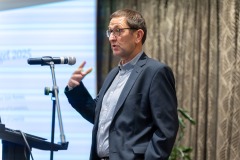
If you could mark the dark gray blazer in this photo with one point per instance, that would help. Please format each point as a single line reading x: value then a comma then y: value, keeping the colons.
x: 145, y: 122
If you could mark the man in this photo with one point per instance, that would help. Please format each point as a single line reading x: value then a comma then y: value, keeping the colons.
x: 135, y: 112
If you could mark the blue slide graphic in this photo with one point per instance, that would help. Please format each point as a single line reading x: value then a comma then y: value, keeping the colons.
x: 59, y: 29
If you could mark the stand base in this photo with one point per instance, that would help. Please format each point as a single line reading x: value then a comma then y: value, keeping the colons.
x: 13, y: 151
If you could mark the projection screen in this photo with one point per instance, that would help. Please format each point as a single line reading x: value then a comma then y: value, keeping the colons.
x: 59, y: 29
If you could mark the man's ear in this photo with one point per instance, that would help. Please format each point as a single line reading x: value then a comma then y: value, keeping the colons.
x: 139, y: 35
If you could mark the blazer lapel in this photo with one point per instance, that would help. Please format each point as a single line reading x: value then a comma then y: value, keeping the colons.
x: 131, y: 80
x: 103, y: 90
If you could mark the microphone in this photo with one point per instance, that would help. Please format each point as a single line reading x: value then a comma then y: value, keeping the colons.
x: 56, y: 60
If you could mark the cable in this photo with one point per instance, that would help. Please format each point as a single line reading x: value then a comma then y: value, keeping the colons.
x: 28, y: 147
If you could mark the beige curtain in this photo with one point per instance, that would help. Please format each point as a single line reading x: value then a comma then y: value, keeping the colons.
x: 200, y: 40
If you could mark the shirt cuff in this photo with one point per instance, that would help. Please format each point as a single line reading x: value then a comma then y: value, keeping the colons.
x: 69, y: 88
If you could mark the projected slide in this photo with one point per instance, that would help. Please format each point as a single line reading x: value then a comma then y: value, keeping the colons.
x: 57, y: 29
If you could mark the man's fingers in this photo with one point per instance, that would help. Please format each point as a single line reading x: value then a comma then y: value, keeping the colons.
x: 87, y: 71
x: 78, y: 75
x: 73, y: 82
x: 82, y: 65
x: 80, y: 71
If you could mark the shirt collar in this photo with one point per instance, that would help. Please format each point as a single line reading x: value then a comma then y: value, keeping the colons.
x: 129, y: 65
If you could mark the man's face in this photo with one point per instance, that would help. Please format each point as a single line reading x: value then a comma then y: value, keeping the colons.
x: 123, y: 45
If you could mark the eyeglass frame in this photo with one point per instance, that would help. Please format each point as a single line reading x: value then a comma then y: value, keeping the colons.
x: 117, y: 31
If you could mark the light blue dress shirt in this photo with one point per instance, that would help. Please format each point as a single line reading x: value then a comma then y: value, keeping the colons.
x: 109, y: 103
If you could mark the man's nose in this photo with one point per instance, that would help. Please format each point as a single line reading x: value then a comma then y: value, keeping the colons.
x: 112, y: 37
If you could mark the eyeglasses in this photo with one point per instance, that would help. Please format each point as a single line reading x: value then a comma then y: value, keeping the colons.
x: 115, y: 32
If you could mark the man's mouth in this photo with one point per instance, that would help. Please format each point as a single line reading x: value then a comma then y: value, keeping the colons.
x: 114, y: 46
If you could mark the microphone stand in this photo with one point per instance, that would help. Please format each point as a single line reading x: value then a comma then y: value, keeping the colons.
x: 55, y: 101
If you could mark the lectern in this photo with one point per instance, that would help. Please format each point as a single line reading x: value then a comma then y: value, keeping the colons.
x: 14, y: 146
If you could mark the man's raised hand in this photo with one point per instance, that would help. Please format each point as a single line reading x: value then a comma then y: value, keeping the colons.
x: 78, y: 75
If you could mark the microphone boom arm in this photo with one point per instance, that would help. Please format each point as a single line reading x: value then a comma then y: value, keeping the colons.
x: 56, y: 105
x: 55, y: 90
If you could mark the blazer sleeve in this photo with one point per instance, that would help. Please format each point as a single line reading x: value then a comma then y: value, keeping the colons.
x: 82, y: 102
x: 163, y: 102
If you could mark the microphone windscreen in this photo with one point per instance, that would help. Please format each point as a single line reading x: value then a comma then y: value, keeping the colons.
x: 71, y: 60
